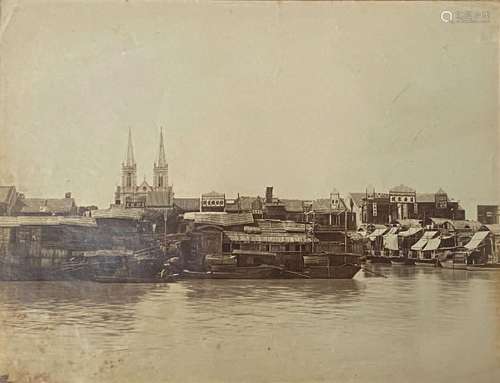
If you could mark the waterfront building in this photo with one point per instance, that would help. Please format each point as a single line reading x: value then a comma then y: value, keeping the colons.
x: 403, y: 204
x: 213, y: 202
x: 47, y: 206
x: 187, y: 205
x: 438, y: 205
x: 488, y: 214
x: 131, y: 195
x: 8, y: 200
x: 494, y: 229
x: 245, y: 204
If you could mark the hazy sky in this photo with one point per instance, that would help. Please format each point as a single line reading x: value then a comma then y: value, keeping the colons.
x: 305, y: 97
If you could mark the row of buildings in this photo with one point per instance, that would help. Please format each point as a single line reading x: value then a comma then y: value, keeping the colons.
x: 248, y: 226
x: 350, y: 211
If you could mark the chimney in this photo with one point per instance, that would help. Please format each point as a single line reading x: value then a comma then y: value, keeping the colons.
x: 269, y: 194
x: 67, y: 195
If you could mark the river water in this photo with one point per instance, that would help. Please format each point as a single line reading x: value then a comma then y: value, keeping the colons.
x: 416, y: 325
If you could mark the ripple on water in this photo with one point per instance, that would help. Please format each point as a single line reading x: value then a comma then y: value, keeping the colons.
x: 403, y: 327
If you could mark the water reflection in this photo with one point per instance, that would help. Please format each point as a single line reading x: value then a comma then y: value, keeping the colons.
x: 36, y: 306
x: 404, y: 327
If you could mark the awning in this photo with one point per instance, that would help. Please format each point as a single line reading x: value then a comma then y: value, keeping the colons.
x: 476, y: 240
x: 236, y: 236
x: 411, y: 231
x: 432, y: 244
x: 392, y: 230
x: 377, y: 233
x: 429, y: 234
x: 391, y: 241
x: 419, y: 245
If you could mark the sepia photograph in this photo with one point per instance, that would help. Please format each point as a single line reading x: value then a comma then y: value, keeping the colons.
x: 249, y: 191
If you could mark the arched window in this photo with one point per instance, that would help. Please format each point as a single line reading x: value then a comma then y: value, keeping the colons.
x: 160, y: 181
x: 129, y: 179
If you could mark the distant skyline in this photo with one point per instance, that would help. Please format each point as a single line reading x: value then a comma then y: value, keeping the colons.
x: 303, y: 97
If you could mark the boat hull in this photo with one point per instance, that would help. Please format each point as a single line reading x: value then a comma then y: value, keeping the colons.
x: 378, y: 259
x: 347, y: 271
x: 484, y: 267
x: 449, y: 264
x: 333, y: 272
x: 426, y: 262
x: 399, y: 261
x: 220, y: 272
x: 167, y: 279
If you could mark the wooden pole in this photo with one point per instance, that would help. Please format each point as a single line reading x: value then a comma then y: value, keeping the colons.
x: 345, y: 228
x: 165, y: 231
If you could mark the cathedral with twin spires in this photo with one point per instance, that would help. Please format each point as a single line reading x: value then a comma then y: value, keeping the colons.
x: 130, y: 195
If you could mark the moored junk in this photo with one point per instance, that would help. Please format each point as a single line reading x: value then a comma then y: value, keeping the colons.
x: 118, y: 266
x: 236, y: 246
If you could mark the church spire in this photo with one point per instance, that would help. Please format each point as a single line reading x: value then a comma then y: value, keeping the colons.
x: 162, y: 162
x: 129, y: 160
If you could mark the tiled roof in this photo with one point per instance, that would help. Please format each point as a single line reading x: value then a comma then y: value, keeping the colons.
x: 220, y: 219
x: 458, y: 224
x: 50, y: 205
x: 241, y: 204
x: 213, y: 194
x: 409, y: 222
x: 46, y: 221
x: 293, y: 205
x: 324, y: 206
x: 187, y: 204
x: 426, y: 197
x: 466, y: 225
x: 118, y: 213
x: 6, y: 192
x: 157, y: 199
x: 402, y: 189
x: 277, y: 226
x: 237, y: 236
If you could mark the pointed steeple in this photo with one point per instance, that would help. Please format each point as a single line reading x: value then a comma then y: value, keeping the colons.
x: 129, y: 160
x: 162, y: 162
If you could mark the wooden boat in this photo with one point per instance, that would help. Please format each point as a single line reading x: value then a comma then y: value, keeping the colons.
x: 331, y: 265
x: 456, y: 260
x: 125, y: 266
x: 318, y: 266
x: 235, y: 272
x: 426, y: 262
x: 378, y: 259
x: 191, y: 274
x: 110, y: 279
x: 332, y: 272
x: 451, y: 264
x: 398, y: 261
x: 484, y: 267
